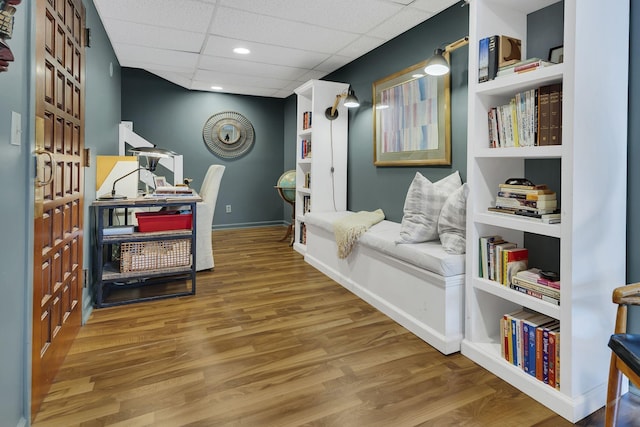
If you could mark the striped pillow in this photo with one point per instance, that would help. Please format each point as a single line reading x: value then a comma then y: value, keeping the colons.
x: 422, y: 207
x: 452, y: 222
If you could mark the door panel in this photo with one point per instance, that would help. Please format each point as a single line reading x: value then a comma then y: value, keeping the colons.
x: 59, y: 192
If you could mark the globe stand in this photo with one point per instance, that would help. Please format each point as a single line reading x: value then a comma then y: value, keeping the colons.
x: 290, y: 233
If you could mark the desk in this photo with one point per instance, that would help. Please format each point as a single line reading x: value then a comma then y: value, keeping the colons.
x: 132, y: 266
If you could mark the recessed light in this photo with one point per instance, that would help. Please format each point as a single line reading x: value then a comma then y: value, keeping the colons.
x: 216, y: 87
x: 241, y: 51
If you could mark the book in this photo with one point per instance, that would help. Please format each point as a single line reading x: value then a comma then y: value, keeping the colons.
x: 527, y: 196
x: 553, y: 350
x: 494, y: 140
x: 533, y: 275
x: 513, y: 260
x: 555, y: 114
x: 493, y: 57
x: 484, y: 254
x: 536, y: 287
x: 534, y: 294
x: 529, y: 326
x: 512, y: 202
x: 541, y: 350
x: 544, y: 93
x: 118, y: 229
x: 499, y: 248
x: 524, y: 187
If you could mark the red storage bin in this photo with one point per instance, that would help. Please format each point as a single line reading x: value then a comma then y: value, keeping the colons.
x: 163, y: 221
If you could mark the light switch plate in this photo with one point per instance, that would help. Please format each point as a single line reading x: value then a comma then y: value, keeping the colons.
x: 16, y: 128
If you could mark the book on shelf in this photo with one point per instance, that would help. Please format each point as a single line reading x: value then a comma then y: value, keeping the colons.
x: 114, y: 230
x: 487, y: 58
x: 536, y: 287
x: 535, y: 294
x: 511, y: 202
x: 523, y: 66
x: 305, y: 148
x: 499, y: 248
x: 513, y: 260
x: 523, y: 195
x: 537, y: 187
x: 306, y: 120
x: 485, y: 241
x: 555, y: 114
x: 534, y: 275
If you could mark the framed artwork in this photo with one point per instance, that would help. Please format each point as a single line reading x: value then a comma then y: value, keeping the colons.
x: 556, y: 55
x: 412, y: 118
x: 160, y: 181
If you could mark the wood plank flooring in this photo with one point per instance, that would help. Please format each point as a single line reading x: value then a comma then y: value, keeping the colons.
x: 269, y: 341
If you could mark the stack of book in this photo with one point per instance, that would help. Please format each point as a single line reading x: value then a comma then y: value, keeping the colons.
x: 534, y: 284
x: 501, y: 260
x: 531, y: 341
x: 173, y: 191
x: 535, y: 202
x: 523, y: 66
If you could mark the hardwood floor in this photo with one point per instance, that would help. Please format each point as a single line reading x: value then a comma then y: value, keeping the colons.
x: 269, y: 341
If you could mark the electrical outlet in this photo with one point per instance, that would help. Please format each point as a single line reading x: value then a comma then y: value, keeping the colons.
x: 228, y: 208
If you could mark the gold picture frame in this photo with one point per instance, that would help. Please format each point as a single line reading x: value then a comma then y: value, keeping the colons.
x: 412, y: 118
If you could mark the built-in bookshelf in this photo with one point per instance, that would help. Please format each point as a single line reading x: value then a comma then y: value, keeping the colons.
x: 591, y: 156
x: 321, y: 154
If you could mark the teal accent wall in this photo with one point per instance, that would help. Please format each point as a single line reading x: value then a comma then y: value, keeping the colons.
x: 102, y: 117
x: 370, y: 187
x: 15, y: 224
x: 172, y: 117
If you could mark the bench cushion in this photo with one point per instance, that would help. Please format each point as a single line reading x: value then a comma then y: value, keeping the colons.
x: 381, y: 237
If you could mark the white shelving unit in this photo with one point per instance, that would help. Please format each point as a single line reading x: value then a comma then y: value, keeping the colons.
x: 593, y: 159
x: 327, y: 164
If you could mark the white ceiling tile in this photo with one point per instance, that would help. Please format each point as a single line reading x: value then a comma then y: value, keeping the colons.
x: 129, y: 53
x: 400, y: 23
x: 335, y: 14
x: 362, y: 44
x: 265, y: 53
x: 435, y: 6
x: 333, y: 63
x: 179, y: 14
x: 153, y: 36
x: 211, y: 63
x: 276, y: 31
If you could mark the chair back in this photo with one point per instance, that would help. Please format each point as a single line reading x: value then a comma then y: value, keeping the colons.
x: 211, y: 185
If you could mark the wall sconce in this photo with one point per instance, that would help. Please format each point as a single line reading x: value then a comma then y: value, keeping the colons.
x: 152, y: 156
x: 438, y: 64
x: 350, y: 101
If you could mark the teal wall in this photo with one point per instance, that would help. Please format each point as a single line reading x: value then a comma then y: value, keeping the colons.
x: 371, y: 187
x: 173, y: 117
x: 15, y: 226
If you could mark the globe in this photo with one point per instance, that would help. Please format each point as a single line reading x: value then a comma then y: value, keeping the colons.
x: 287, y: 186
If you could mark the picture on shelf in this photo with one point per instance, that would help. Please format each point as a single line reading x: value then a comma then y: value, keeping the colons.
x: 160, y: 181
x: 556, y: 55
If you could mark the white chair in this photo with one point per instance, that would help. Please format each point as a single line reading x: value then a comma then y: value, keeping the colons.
x: 204, y: 215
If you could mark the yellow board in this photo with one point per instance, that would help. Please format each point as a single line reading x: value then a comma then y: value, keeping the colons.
x: 106, y: 164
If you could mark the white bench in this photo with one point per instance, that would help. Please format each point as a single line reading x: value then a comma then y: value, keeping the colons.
x: 420, y: 286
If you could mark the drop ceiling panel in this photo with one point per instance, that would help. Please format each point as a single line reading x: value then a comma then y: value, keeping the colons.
x: 190, y: 42
x: 264, y: 53
x: 127, y: 32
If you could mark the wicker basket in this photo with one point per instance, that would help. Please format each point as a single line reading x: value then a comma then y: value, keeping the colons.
x: 154, y: 255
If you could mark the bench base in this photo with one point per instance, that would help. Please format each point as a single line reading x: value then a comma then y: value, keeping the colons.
x: 429, y: 305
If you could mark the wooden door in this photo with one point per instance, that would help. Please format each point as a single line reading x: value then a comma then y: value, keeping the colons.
x: 59, y: 192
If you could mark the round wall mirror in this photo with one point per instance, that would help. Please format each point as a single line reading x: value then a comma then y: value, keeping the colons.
x: 228, y: 134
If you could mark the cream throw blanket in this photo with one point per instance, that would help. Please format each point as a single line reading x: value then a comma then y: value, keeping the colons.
x: 348, y: 229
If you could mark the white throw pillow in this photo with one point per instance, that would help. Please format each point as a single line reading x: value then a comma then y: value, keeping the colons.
x: 422, y: 207
x: 452, y: 222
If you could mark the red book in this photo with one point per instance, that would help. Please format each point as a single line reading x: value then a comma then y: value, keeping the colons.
x: 513, y: 260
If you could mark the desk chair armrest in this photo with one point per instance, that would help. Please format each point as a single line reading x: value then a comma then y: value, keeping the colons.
x: 628, y: 295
